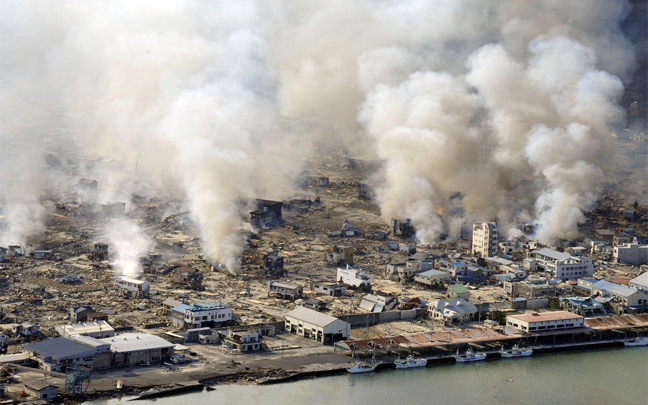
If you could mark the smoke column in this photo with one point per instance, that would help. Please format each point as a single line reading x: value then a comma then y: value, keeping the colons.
x: 508, y: 102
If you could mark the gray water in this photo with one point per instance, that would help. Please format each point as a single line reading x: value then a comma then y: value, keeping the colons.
x: 607, y: 376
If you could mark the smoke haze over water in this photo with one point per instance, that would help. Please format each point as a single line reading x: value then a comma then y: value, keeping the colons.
x: 509, y: 102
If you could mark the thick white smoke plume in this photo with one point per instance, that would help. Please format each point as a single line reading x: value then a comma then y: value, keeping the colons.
x: 129, y: 242
x: 508, y: 102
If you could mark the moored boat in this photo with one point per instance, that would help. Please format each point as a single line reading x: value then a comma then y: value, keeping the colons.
x: 469, y: 355
x: 640, y: 341
x: 410, y: 362
x: 515, y: 351
x: 363, y: 366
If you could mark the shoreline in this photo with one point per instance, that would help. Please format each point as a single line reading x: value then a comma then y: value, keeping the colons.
x: 281, y: 375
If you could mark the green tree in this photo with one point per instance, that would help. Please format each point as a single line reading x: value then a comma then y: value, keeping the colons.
x: 554, y: 304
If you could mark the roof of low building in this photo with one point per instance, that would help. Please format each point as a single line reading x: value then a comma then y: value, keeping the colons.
x: 132, y: 342
x: 642, y: 280
x: 59, y: 347
x: 311, y: 316
x: 554, y: 254
x: 458, y: 289
x: 546, y: 316
x: 432, y: 273
x: 83, y: 328
x: 37, y: 384
x: 614, y: 289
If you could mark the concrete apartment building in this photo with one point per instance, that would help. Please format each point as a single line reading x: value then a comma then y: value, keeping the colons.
x: 564, y: 266
x: 485, y: 239
x: 631, y: 253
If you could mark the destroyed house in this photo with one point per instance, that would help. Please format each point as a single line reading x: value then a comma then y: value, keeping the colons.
x: 95, y: 329
x: 354, y: 278
x: 59, y: 353
x: 340, y: 255
x: 200, y: 315
x: 242, y: 340
x: 88, y: 184
x: 43, y: 254
x: 113, y: 209
x: 133, y: 285
x: 331, y: 289
x: 378, y: 303
x: 402, y: 228
x: 284, y: 290
x: 70, y: 279
x: 273, y: 262
x: 80, y: 314
x: 184, y: 274
x: 267, y: 214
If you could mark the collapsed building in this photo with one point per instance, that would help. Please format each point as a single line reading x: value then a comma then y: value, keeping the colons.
x: 267, y: 214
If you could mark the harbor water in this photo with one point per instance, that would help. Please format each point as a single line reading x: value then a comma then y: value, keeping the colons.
x: 604, y: 376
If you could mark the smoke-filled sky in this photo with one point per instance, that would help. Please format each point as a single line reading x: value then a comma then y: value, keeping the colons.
x: 509, y: 102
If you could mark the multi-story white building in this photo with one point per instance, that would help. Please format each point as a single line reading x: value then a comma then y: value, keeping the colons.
x: 201, y: 315
x: 564, y: 266
x: 631, y: 253
x: 640, y: 283
x: 485, y: 238
x: 354, y: 278
x: 540, y: 321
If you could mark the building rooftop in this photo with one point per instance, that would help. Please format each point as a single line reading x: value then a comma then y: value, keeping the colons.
x: 614, y: 289
x: 642, y: 280
x: 431, y: 273
x: 204, y: 306
x: 131, y: 342
x: 59, y: 347
x: 546, y: 316
x: 83, y: 328
x: 132, y: 280
x: 283, y: 285
x: 37, y: 384
x: 311, y: 316
x: 458, y: 289
x: 554, y: 254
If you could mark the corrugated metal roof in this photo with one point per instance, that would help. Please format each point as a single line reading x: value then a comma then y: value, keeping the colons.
x: 312, y: 317
x: 554, y: 254
x: 37, y: 384
x: 614, y: 289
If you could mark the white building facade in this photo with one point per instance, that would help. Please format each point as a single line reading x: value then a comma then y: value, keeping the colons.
x: 541, y: 321
x: 564, y: 266
x: 631, y: 253
x: 316, y: 325
x: 485, y: 239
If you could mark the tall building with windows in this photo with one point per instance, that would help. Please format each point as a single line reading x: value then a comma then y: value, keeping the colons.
x: 485, y: 238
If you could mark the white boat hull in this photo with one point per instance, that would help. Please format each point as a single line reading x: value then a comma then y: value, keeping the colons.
x: 360, y: 368
x: 636, y: 342
x: 476, y: 357
x: 411, y: 364
x: 521, y: 353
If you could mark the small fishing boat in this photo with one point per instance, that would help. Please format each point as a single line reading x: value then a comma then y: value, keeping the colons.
x: 469, y: 355
x: 515, y: 351
x: 410, y: 362
x: 640, y: 341
x: 363, y: 366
